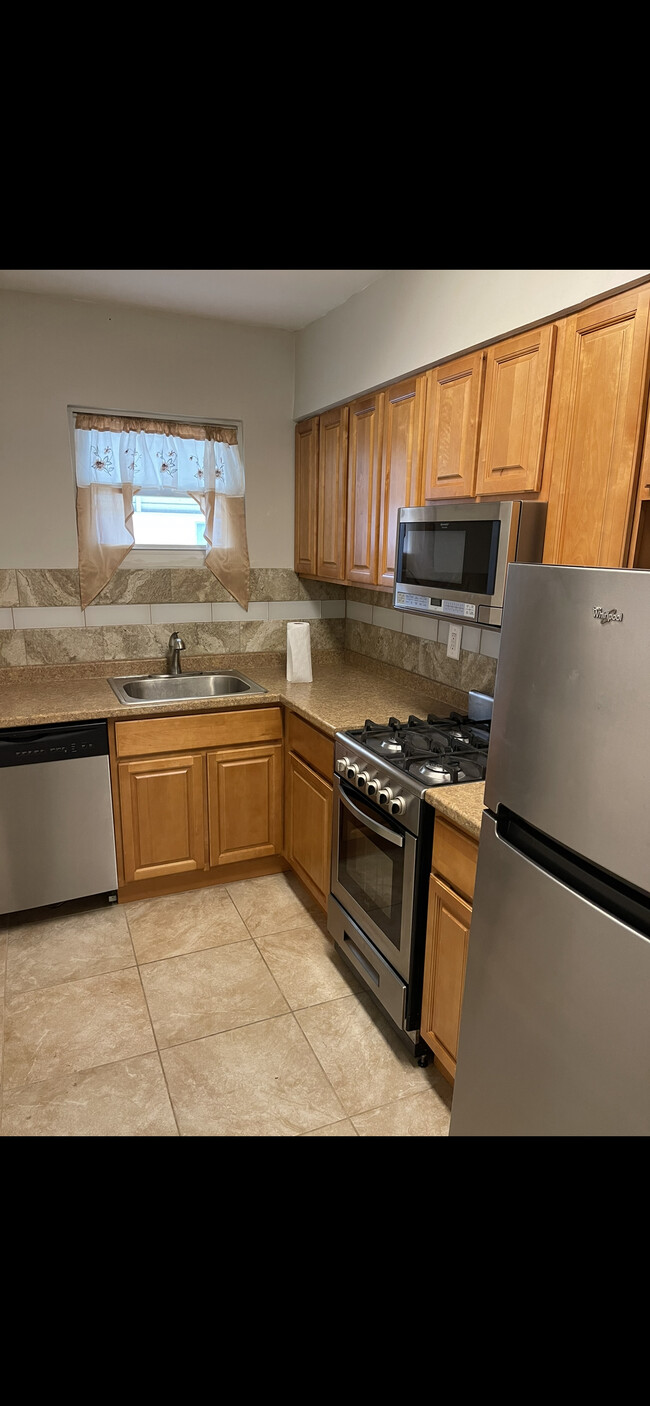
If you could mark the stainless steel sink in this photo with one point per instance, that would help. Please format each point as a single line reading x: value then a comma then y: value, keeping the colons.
x: 171, y: 688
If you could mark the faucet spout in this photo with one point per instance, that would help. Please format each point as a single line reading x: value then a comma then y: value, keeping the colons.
x: 176, y: 644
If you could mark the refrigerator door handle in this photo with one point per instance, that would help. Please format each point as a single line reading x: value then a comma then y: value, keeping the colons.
x: 621, y: 900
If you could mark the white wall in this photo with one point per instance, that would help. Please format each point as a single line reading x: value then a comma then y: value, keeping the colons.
x: 412, y: 318
x: 56, y: 352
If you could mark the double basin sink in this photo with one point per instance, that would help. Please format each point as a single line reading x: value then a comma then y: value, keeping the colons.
x: 172, y: 688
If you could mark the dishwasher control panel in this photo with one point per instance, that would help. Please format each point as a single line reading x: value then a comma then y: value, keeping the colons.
x: 58, y: 742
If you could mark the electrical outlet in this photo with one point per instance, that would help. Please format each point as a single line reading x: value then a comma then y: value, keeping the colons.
x: 453, y: 641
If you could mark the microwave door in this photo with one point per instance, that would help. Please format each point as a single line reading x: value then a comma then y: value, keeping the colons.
x: 450, y: 558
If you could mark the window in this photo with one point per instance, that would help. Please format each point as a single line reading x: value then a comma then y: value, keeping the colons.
x: 167, y: 520
x: 159, y: 484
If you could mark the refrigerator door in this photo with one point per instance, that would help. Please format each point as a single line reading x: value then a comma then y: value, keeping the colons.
x: 554, y: 1035
x: 569, y: 746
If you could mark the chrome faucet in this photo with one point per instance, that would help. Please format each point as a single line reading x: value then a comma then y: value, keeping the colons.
x: 176, y: 644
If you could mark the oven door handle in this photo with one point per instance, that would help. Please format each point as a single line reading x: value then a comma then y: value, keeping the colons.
x: 372, y: 824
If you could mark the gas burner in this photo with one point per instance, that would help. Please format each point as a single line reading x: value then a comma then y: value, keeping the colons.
x: 436, y: 772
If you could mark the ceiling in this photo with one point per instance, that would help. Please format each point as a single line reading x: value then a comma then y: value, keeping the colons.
x: 283, y: 298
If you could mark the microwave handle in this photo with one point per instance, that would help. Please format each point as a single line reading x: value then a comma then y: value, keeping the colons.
x: 372, y: 824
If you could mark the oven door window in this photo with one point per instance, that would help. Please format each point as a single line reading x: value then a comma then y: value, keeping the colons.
x: 458, y: 556
x: 371, y: 869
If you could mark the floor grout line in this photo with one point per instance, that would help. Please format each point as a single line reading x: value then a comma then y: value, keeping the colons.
x: 162, y: 1067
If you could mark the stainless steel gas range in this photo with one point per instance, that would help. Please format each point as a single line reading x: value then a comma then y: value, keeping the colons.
x: 381, y: 849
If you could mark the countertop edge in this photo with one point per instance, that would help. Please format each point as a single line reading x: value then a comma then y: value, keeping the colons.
x: 463, y: 805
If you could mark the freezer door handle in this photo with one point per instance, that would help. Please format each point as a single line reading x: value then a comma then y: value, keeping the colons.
x: 624, y: 901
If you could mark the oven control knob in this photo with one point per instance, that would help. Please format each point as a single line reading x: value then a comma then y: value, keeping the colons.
x: 398, y: 806
x: 352, y: 771
x: 385, y: 795
x: 342, y: 765
x: 371, y: 788
x: 362, y: 779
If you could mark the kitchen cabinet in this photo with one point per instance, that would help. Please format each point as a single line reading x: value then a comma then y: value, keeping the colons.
x: 449, y: 915
x: 308, y: 805
x: 600, y: 395
x: 514, y: 422
x: 640, y: 543
x: 332, y: 494
x: 454, y: 393
x: 198, y: 799
x: 366, y: 427
x: 401, y: 465
x: 306, y: 506
x: 161, y: 807
x: 245, y: 802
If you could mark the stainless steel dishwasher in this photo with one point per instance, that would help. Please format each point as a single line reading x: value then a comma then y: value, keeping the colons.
x: 56, y: 815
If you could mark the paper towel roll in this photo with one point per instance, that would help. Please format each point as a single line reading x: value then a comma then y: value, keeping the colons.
x: 298, y: 652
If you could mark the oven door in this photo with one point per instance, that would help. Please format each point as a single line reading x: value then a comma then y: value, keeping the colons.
x: 373, y: 874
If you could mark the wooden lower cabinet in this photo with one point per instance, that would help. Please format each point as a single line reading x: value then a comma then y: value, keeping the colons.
x: 245, y: 802
x: 308, y: 805
x: 448, y: 923
x: 204, y: 813
x: 309, y: 826
x: 161, y: 810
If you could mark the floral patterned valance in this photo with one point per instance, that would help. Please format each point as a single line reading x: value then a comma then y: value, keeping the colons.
x: 159, y: 462
x: 120, y: 424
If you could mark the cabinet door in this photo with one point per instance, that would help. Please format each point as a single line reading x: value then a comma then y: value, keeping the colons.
x: 518, y: 376
x: 448, y: 923
x: 401, y: 467
x: 245, y: 802
x: 306, y: 496
x: 364, y: 471
x: 601, y: 384
x: 640, y: 542
x: 309, y: 827
x: 162, y: 814
x: 332, y: 493
x: 453, y: 410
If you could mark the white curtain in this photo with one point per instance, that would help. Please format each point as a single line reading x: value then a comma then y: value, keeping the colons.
x: 114, y: 460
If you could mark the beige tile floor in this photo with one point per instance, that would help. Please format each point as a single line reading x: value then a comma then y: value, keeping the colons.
x: 221, y: 1013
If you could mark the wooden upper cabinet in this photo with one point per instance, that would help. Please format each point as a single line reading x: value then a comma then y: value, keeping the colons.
x: 453, y: 409
x: 601, y: 385
x: 332, y: 493
x: 401, y: 465
x: 518, y: 376
x: 161, y: 810
x: 306, y: 496
x: 364, y: 473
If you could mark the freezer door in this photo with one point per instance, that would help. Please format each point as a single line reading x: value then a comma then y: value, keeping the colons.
x: 569, y: 739
x: 555, y: 1029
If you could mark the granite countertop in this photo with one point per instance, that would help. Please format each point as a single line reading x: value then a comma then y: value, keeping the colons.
x: 463, y: 804
x: 343, y: 694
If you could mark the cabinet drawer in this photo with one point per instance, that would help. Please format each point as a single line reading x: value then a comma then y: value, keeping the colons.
x: 191, y: 732
x: 455, y: 855
x: 310, y: 744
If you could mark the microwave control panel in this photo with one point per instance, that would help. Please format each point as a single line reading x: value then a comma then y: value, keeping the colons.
x: 436, y: 604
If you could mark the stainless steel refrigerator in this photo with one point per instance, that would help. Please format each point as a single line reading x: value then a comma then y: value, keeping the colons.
x: 555, y: 1026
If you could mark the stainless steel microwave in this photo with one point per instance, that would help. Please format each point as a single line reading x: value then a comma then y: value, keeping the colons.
x: 451, y: 558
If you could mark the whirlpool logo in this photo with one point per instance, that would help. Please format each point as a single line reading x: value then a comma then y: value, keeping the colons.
x: 607, y: 616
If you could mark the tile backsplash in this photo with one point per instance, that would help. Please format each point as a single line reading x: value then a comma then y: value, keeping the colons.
x: 41, y: 620
x: 418, y: 644
x: 42, y: 623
